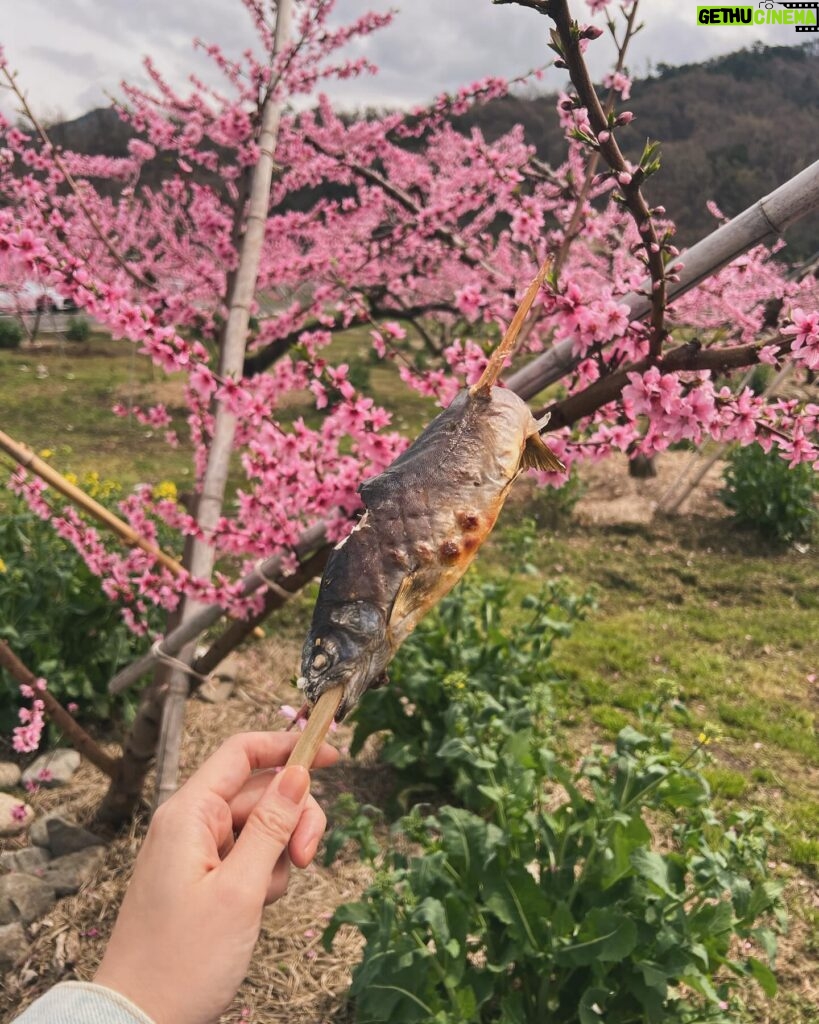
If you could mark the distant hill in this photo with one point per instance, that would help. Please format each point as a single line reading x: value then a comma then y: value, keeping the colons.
x: 732, y: 129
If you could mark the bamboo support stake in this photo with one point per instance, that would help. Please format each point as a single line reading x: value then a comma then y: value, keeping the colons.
x: 200, y: 560
x: 318, y: 724
x: 25, y: 457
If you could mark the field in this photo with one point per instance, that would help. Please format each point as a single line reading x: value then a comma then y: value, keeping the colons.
x: 689, y: 600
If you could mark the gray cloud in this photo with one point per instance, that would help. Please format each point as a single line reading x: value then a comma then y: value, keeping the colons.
x: 81, y: 65
x: 70, y: 55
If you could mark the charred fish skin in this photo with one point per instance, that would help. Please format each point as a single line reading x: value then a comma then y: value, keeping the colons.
x: 426, y: 517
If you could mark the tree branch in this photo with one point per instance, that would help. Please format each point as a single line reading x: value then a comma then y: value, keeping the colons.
x: 684, y: 358
x: 64, y: 721
x: 770, y: 216
x: 629, y: 181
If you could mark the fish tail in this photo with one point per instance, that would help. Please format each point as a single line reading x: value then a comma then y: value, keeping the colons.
x: 493, y: 369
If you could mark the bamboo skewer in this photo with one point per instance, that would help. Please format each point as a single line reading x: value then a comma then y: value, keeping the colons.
x: 25, y: 457
x: 319, y: 722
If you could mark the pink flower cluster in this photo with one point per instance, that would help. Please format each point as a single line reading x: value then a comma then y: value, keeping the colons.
x: 26, y: 735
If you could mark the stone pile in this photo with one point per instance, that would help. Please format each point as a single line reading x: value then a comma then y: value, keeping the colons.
x: 62, y: 856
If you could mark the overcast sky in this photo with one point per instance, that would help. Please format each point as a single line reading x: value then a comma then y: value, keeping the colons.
x: 71, y: 53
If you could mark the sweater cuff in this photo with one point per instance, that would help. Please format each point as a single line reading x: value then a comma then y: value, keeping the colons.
x: 82, y: 1002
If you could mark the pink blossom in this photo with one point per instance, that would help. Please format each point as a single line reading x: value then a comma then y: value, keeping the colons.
x: 804, y: 328
x: 454, y: 224
x: 19, y: 812
x: 620, y: 83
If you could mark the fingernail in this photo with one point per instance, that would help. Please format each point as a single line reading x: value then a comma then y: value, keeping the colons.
x: 294, y: 783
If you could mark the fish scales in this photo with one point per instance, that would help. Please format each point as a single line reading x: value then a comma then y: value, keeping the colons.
x: 425, y: 517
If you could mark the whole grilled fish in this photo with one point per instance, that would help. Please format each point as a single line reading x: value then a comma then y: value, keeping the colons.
x: 425, y: 517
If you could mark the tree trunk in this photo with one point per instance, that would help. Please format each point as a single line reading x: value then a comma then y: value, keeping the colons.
x: 641, y: 467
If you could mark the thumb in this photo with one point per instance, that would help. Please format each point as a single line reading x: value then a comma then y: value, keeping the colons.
x: 268, y: 829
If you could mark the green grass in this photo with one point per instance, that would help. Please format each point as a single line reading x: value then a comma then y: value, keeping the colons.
x: 730, y: 626
x: 60, y: 399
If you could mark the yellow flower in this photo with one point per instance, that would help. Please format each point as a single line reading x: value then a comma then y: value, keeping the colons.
x: 71, y: 478
x: 46, y: 453
x: 165, y: 490
x: 2, y: 566
x: 703, y: 738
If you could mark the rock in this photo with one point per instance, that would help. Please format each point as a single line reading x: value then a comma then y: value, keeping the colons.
x: 13, y: 945
x: 24, y: 898
x: 54, y: 768
x: 13, y: 820
x: 10, y: 775
x: 67, y: 874
x: 216, y: 691
x: 61, y: 835
x: 29, y: 860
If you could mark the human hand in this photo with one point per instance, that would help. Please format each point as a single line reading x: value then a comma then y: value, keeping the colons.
x: 192, y: 913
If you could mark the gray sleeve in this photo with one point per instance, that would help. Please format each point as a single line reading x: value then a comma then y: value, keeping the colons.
x: 80, y: 1002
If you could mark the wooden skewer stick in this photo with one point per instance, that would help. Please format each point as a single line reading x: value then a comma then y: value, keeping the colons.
x: 321, y: 717
x: 25, y: 457
x: 493, y: 369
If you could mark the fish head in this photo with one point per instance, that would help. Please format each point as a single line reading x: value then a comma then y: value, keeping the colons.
x: 347, y: 647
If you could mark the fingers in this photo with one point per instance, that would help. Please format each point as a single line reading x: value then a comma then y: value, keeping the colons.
x: 304, y: 841
x: 268, y: 830
x: 277, y: 884
x: 227, y: 771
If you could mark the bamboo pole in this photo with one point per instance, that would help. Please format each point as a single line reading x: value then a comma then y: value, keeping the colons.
x: 173, y: 642
x: 320, y: 720
x: 231, y: 364
x: 64, y: 721
x: 26, y: 457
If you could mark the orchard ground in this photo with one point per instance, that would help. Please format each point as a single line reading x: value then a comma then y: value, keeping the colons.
x: 685, y: 599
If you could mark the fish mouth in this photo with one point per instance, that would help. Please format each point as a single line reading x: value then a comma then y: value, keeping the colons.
x: 355, y: 678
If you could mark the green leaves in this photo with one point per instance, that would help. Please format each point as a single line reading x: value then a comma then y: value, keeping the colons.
x: 604, y: 936
x: 764, y: 975
x: 466, y: 688
x: 768, y: 495
x: 59, y: 622
x: 543, y: 896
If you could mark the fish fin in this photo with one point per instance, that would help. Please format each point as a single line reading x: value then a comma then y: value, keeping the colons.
x: 401, y: 603
x: 538, y: 455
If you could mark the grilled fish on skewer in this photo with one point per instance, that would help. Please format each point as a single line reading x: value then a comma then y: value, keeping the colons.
x: 425, y: 517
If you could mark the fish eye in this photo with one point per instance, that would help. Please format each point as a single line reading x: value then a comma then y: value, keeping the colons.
x: 322, y: 657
